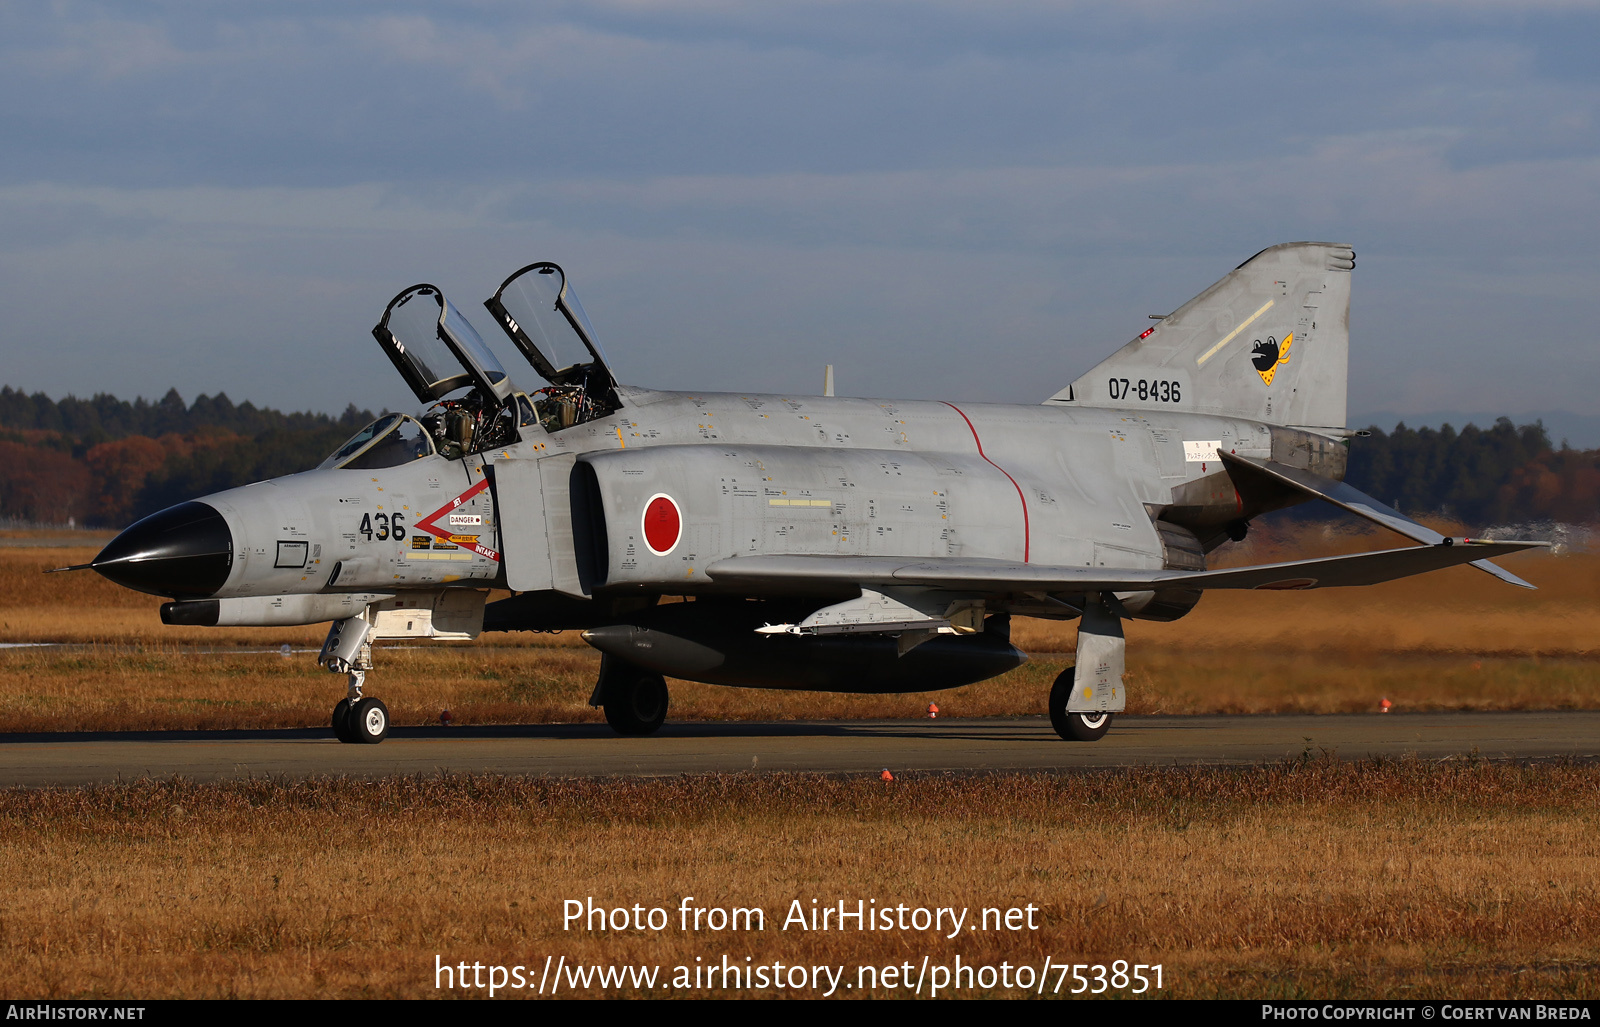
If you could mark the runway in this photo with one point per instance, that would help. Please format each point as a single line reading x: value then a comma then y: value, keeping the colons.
x: 848, y: 747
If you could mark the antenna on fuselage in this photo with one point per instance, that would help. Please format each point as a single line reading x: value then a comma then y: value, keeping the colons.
x: 827, y: 380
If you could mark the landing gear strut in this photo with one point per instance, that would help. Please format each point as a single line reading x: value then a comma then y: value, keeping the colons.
x: 356, y: 718
x: 635, y: 699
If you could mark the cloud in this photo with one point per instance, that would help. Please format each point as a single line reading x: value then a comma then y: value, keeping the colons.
x: 962, y: 200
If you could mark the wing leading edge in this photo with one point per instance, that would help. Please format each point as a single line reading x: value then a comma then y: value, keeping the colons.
x: 1002, y: 576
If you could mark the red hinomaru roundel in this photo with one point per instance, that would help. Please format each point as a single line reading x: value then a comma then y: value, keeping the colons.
x: 663, y: 524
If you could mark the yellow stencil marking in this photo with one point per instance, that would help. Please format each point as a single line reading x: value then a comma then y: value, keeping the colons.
x: 1208, y: 354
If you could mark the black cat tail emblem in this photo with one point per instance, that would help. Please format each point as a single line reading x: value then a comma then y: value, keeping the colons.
x: 1266, y: 356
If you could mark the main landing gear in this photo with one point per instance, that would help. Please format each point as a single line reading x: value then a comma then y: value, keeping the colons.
x: 634, y: 699
x: 1088, y: 693
x: 356, y: 718
x: 1074, y: 727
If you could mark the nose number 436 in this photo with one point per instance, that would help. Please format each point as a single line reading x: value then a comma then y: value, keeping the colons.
x: 383, y: 526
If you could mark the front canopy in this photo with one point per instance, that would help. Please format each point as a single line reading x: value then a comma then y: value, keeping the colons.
x: 390, y: 441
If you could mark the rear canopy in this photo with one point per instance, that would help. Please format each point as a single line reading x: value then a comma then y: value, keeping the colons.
x: 541, y: 314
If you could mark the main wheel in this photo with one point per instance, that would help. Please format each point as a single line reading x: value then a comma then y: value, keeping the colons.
x: 1074, y: 727
x: 635, y: 702
x: 341, y: 721
x: 368, y: 721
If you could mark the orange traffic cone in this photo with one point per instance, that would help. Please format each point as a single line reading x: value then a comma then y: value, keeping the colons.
x: 1384, y: 706
x: 886, y: 776
x: 933, y: 711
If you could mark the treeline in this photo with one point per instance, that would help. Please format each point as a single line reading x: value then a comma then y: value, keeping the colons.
x: 107, y: 462
x: 105, y: 417
x: 1503, y: 474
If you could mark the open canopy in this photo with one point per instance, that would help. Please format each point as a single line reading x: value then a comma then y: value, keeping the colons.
x: 541, y: 314
x: 436, y: 350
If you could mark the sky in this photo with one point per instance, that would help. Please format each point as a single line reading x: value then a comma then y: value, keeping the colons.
x: 943, y: 199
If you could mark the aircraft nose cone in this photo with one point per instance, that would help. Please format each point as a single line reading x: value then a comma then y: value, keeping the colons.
x: 184, y: 551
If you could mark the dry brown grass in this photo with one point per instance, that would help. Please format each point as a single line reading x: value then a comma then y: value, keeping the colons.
x: 1457, y: 639
x: 1314, y: 878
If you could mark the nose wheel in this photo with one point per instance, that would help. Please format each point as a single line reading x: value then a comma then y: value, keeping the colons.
x: 368, y: 721
x: 361, y: 720
x: 341, y: 721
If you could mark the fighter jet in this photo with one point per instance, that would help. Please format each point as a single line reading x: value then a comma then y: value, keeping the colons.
x: 789, y: 541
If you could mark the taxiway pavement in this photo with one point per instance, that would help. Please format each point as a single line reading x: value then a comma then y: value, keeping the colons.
x: 865, y: 746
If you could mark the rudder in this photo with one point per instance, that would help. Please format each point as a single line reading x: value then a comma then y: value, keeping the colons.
x: 1270, y: 342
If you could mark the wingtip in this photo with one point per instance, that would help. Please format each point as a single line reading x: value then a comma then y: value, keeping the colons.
x: 1500, y: 572
x: 1495, y: 569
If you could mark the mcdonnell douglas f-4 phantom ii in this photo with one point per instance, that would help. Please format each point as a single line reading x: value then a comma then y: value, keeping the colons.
x: 851, y: 545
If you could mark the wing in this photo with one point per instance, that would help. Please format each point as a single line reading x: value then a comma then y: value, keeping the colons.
x: 995, y: 577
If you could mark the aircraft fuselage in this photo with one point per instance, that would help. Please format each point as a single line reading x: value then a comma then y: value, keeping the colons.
x: 1060, y: 485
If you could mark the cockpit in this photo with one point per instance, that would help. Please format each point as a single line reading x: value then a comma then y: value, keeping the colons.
x: 471, y: 403
x: 390, y: 441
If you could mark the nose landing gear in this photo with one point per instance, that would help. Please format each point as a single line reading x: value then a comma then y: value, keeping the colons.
x: 348, y: 650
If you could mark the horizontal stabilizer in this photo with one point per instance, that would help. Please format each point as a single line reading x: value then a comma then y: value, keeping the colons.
x: 1350, y: 498
x: 998, y: 577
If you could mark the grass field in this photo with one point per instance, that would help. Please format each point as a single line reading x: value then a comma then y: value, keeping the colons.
x: 1314, y: 878
x: 1456, y: 639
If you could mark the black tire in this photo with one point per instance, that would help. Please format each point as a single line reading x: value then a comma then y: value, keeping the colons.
x: 368, y: 722
x: 341, y: 721
x: 635, y: 702
x: 1074, y: 727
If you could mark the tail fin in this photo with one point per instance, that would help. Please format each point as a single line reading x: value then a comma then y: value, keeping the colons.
x: 1269, y: 342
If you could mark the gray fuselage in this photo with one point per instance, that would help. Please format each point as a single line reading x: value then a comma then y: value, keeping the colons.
x: 751, y: 474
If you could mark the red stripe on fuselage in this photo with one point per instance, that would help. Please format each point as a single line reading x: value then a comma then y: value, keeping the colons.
x: 1026, y: 538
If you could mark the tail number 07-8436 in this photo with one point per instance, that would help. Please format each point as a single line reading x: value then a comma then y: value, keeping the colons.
x: 1147, y: 391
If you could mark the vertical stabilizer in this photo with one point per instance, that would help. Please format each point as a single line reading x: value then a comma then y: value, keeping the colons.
x: 1269, y: 342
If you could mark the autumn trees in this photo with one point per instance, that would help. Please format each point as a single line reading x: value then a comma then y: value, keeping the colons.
x: 108, y: 462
